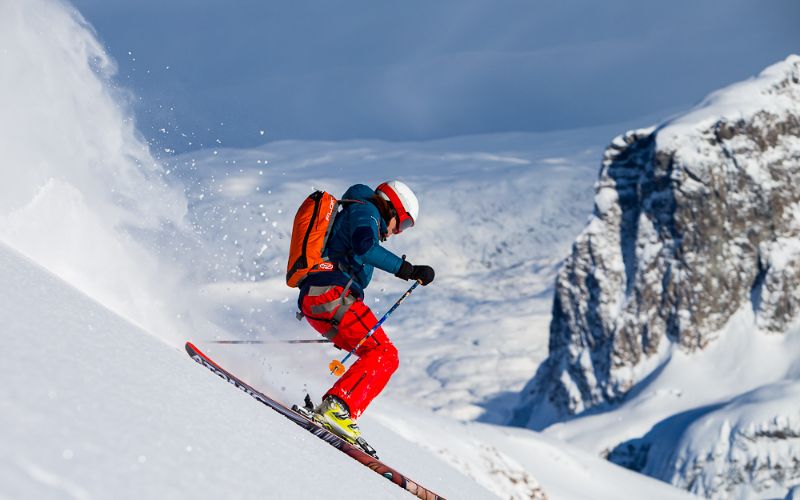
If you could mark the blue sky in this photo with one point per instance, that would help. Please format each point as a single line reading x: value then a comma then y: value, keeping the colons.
x: 417, y: 70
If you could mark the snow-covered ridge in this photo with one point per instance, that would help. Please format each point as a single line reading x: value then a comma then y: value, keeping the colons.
x: 692, y: 221
x: 749, y: 446
x: 773, y: 92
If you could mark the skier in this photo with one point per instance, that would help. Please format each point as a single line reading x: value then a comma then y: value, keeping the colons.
x: 333, y: 301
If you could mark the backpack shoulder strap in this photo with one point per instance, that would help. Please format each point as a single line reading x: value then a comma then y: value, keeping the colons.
x: 349, y: 202
x: 339, y: 203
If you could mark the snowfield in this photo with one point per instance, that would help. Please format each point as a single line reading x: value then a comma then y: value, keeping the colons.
x: 93, y: 407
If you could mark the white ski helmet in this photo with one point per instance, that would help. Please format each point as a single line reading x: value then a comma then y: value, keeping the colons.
x: 404, y: 202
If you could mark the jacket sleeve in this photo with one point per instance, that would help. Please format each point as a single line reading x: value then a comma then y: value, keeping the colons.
x: 366, y: 243
x: 382, y: 259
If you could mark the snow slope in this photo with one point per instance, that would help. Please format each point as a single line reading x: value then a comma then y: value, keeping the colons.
x: 746, y: 447
x: 80, y: 191
x: 93, y: 407
x: 741, y: 360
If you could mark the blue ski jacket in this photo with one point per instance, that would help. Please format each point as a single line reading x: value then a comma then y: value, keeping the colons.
x: 354, y: 245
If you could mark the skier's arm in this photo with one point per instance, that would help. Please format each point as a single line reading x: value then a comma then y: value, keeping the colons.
x: 367, y: 246
x: 382, y: 259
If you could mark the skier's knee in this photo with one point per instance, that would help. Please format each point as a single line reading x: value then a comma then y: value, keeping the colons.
x: 390, y: 358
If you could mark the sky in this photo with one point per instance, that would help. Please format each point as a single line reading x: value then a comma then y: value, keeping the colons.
x: 251, y: 71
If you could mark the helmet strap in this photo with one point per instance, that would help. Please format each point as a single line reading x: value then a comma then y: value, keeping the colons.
x: 384, y: 208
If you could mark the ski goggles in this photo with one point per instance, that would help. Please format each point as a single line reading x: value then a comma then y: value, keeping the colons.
x: 404, y: 222
x: 404, y: 219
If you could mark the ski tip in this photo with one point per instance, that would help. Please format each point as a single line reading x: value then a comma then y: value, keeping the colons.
x: 190, y: 348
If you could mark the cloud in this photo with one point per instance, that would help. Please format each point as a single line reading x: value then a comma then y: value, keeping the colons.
x: 419, y: 70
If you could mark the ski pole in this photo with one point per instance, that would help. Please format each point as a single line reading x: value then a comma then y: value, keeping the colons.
x: 336, y: 366
x: 300, y: 341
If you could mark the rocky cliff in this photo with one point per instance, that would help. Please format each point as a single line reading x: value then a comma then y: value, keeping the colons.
x: 693, y: 221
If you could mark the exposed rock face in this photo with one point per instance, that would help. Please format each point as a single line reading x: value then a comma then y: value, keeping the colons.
x: 693, y: 220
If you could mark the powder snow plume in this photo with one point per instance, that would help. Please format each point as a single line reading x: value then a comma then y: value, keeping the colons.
x: 80, y: 192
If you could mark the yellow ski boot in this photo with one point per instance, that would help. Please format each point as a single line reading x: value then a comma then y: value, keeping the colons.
x: 333, y: 414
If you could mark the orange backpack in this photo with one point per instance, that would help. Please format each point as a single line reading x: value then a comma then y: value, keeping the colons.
x: 312, y: 227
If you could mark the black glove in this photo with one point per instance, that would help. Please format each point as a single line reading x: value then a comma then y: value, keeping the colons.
x: 423, y: 274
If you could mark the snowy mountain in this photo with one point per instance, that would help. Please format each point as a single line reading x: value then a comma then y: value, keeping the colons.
x: 115, y: 253
x: 693, y: 247
x: 693, y: 221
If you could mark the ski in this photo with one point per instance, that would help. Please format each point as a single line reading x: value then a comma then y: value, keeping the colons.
x: 295, y: 416
x: 307, y: 411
